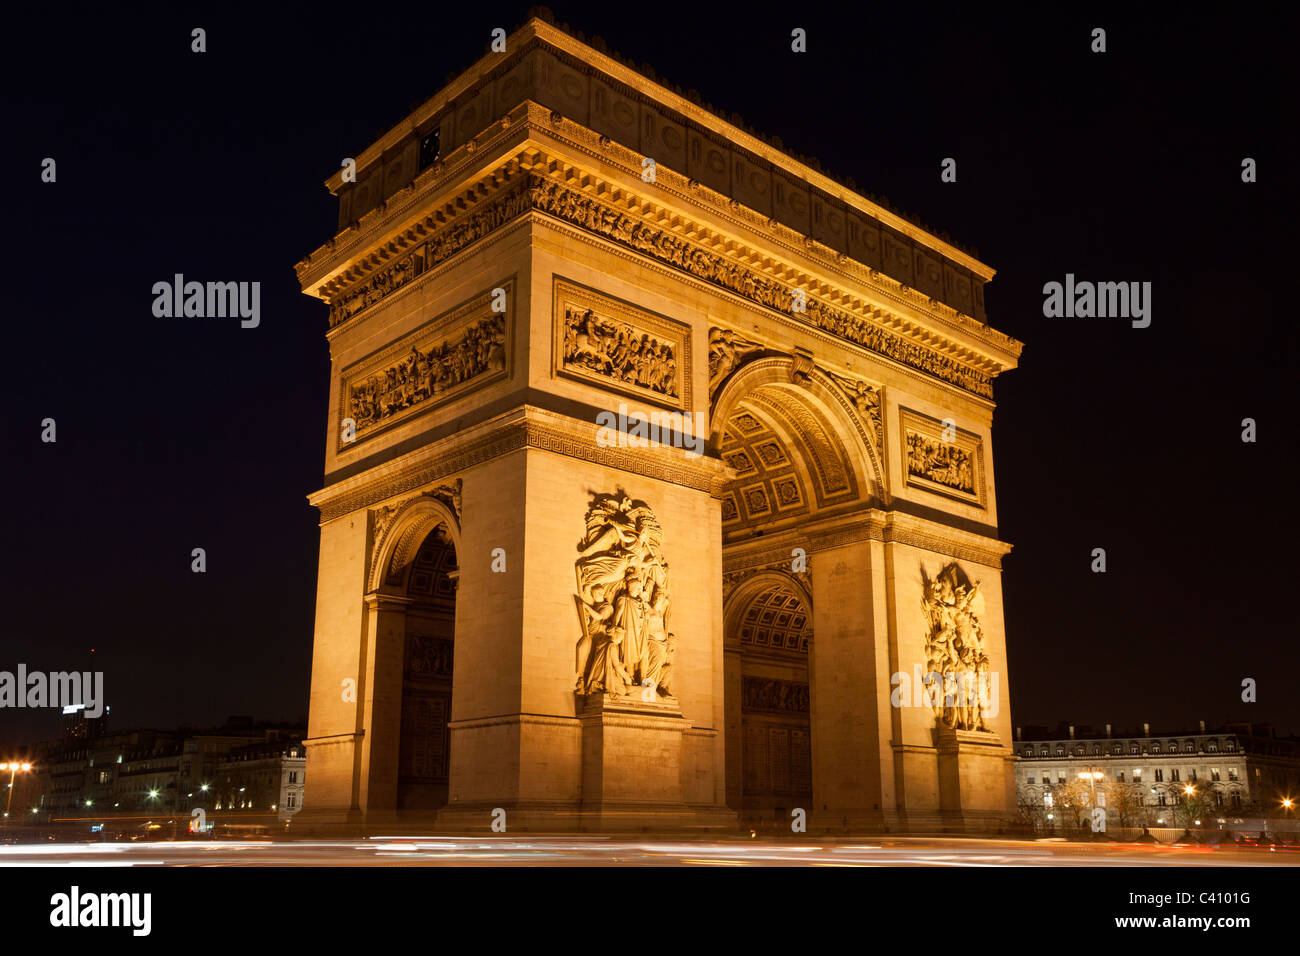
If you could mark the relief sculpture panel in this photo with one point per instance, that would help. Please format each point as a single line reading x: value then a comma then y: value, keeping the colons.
x: 614, y: 344
x: 942, y: 458
x: 458, y: 351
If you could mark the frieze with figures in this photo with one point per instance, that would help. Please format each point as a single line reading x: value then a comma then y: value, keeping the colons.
x: 774, y: 695
x: 461, y: 351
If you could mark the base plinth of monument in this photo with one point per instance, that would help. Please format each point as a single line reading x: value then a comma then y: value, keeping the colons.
x: 632, y: 762
x: 972, y: 780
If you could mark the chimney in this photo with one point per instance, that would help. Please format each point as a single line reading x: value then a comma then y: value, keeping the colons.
x: 1017, y: 733
x: 1108, y: 731
x: 1202, y: 726
x: 1072, y: 731
x: 1146, y: 729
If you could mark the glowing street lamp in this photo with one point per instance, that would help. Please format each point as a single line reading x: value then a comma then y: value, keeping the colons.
x: 13, y: 767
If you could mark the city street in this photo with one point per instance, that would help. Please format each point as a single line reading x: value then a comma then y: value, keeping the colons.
x: 612, y: 851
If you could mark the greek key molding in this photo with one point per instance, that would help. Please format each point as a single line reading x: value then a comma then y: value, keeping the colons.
x: 707, y: 475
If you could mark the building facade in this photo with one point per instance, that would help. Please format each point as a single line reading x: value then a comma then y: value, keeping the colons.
x: 1233, y: 778
x: 658, y: 477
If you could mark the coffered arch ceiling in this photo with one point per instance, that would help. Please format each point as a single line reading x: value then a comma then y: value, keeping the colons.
x: 788, y: 462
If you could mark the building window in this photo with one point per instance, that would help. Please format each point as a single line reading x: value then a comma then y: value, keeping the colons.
x: 1155, y: 748
x: 1096, y: 750
x: 1042, y: 751
x: 1230, y: 745
x: 1132, y: 748
x: 1121, y: 776
x: 1214, y: 773
x: 1046, y: 778
x: 1236, y: 801
x: 293, y: 776
x: 1030, y: 780
x: 430, y: 148
x: 1212, y: 746
x: 1060, y: 776
x: 1173, y: 775
x: 1060, y: 750
x: 1162, y: 799
x: 1160, y: 776
x: 1232, y: 773
x: 1189, y: 747
x: 1191, y: 774
x: 293, y: 800
x: 1117, y: 749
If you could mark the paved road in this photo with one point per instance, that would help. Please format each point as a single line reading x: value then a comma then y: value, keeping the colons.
x: 609, y: 851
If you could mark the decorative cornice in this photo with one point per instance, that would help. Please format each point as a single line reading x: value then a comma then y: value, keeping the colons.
x: 528, y: 118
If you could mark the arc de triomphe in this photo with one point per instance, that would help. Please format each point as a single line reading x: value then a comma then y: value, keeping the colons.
x: 658, y: 478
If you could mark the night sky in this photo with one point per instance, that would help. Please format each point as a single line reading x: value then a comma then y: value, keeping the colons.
x: 183, y: 433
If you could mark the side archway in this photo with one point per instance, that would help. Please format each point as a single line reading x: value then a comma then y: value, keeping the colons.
x: 412, y: 610
x: 400, y: 535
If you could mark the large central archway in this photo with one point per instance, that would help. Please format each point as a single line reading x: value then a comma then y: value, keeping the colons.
x: 803, y: 457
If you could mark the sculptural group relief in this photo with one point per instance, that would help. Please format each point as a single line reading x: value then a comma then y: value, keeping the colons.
x: 462, y: 351
x: 954, y: 648
x: 623, y: 602
x: 940, y: 457
x: 610, y: 342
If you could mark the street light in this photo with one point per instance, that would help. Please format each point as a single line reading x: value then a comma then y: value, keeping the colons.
x: 13, y: 767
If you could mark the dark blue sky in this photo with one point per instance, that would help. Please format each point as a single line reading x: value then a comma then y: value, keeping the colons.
x: 176, y: 434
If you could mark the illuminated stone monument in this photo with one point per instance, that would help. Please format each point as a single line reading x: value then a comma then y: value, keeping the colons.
x: 658, y: 478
